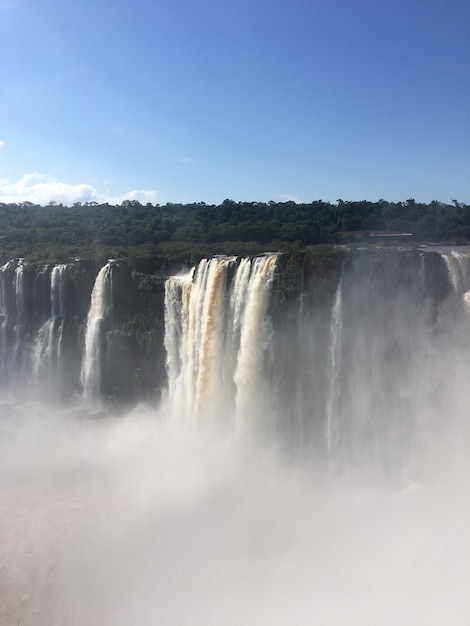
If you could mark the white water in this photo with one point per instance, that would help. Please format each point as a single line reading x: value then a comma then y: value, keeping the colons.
x: 4, y: 317
x: 47, y: 352
x: 20, y: 309
x: 194, y: 315
x: 177, y: 298
x: 334, y: 367
x: 216, y: 335
x: 254, y: 337
x: 458, y: 265
x: 101, y: 302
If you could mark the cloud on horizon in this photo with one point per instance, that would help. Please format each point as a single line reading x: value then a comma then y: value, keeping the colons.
x: 41, y: 189
x: 289, y: 198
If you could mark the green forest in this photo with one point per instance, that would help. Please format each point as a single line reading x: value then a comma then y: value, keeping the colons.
x: 148, y: 235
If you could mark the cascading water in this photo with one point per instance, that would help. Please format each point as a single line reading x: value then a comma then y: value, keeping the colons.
x: 21, y: 312
x: 195, y: 305
x: 100, y: 309
x: 5, y: 271
x: 226, y: 354
x: 254, y: 337
x: 216, y: 334
x: 47, y: 352
x: 334, y: 367
x: 208, y: 314
x: 13, y: 322
x: 458, y: 266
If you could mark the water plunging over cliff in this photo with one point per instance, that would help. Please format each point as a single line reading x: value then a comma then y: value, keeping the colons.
x: 334, y: 367
x: 47, y: 353
x: 5, y: 318
x: 458, y: 265
x: 100, y: 309
x: 21, y: 311
x: 236, y: 339
x: 217, y: 335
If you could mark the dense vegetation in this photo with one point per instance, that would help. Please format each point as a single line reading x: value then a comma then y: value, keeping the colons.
x: 148, y: 235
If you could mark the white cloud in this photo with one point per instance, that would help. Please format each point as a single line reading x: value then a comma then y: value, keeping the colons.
x: 2, y: 144
x: 188, y: 159
x: 290, y: 198
x: 41, y: 189
x: 142, y: 195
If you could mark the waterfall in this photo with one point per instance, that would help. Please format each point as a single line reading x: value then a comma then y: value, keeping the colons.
x: 238, y: 297
x: 214, y: 334
x: 292, y: 358
x: 458, y: 267
x: 195, y: 305
x: 177, y: 297
x: 254, y: 335
x: 208, y: 315
x: 47, y: 352
x: 100, y: 306
x: 334, y: 367
x: 5, y: 318
x: 21, y: 312
x: 13, y: 319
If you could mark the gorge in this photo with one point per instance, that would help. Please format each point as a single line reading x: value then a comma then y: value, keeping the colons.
x: 271, y: 439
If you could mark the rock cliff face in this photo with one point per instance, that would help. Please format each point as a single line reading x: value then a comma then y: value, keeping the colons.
x: 324, y: 315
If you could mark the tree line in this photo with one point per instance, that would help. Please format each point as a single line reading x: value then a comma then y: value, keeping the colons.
x: 141, y: 232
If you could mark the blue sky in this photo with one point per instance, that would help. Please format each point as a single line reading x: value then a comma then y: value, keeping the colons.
x: 201, y: 100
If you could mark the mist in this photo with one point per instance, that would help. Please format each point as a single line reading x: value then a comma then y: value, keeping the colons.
x: 137, y: 520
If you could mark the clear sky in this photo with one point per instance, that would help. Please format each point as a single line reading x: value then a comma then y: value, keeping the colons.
x: 201, y: 100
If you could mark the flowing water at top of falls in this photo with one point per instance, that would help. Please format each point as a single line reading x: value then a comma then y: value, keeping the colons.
x: 100, y: 309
